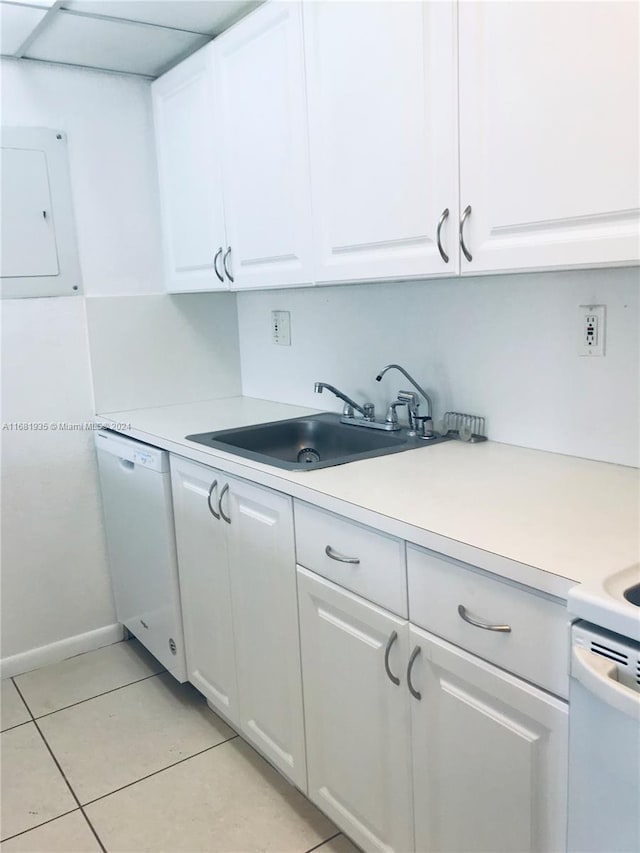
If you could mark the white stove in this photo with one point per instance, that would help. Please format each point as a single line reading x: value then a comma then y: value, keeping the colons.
x: 604, y: 716
x: 610, y: 603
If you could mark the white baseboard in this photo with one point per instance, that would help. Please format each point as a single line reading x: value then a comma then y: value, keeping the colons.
x: 63, y: 649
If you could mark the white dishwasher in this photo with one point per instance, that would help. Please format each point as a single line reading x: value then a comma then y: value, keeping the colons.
x: 138, y: 516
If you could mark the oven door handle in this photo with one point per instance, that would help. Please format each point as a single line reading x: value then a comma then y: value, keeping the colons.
x: 598, y: 676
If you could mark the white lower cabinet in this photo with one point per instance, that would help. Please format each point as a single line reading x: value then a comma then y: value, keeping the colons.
x: 356, y: 717
x: 265, y: 620
x: 204, y: 587
x: 458, y: 756
x: 489, y: 756
x: 236, y: 562
x: 405, y: 740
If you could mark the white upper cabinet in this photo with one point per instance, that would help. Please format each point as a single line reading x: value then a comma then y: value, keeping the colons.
x: 549, y: 98
x: 259, y: 78
x: 367, y: 140
x: 383, y: 130
x: 190, y: 176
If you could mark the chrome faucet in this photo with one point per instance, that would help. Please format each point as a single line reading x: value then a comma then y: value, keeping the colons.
x: 367, y: 410
x: 409, y: 398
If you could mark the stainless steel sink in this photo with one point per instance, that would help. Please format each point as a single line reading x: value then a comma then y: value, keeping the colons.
x: 308, y: 443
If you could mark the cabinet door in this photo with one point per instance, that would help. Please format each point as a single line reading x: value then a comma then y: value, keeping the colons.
x: 265, y: 614
x: 383, y: 131
x: 267, y: 196
x: 357, y: 720
x: 549, y: 99
x: 489, y: 756
x: 189, y: 173
x: 201, y: 541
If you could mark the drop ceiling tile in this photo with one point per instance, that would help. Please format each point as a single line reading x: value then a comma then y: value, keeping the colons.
x: 16, y: 23
x: 199, y: 16
x: 43, y: 4
x: 112, y: 45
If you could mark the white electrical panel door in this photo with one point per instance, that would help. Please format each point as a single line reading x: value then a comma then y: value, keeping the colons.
x: 38, y: 254
x: 259, y: 73
x: 28, y: 229
x: 489, y: 755
x: 549, y: 112
x: 383, y: 131
x: 190, y: 178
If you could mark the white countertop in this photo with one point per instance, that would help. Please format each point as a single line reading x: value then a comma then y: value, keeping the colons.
x: 543, y: 519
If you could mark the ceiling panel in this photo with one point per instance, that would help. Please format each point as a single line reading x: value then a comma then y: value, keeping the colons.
x: 199, y: 16
x: 41, y: 3
x: 113, y: 45
x: 16, y: 23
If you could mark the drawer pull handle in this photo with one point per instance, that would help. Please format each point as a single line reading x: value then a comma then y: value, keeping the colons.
x: 480, y: 623
x: 415, y: 693
x: 224, y: 491
x: 390, y: 642
x: 340, y: 557
x: 214, y: 485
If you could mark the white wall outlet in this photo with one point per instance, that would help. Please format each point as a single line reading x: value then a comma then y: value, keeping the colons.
x: 281, y: 328
x: 592, y: 329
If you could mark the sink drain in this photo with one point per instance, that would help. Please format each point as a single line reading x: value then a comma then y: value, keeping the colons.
x: 309, y: 455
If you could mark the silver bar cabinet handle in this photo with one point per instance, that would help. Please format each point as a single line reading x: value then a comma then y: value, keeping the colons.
x: 441, y: 221
x: 224, y: 491
x: 215, y: 264
x: 224, y: 264
x: 465, y: 216
x: 390, y: 642
x: 480, y: 623
x: 415, y: 693
x: 211, y: 509
x: 340, y: 558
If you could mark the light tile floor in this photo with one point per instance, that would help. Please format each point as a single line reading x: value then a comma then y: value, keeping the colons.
x: 106, y: 752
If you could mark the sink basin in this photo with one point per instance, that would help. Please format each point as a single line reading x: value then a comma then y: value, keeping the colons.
x: 307, y: 443
x: 633, y: 594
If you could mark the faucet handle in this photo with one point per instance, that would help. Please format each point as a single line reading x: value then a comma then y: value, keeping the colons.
x: 369, y: 411
x: 392, y: 415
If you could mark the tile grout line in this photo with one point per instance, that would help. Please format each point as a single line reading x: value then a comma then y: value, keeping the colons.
x: 17, y: 726
x: 326, y: 841
x: 104, y: 693
x: 38, y: 825
x: 62, y: 773
x: 161, y: 770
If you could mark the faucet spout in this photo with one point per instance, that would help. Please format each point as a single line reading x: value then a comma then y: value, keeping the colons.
x: 366, y: 411
x: 418, y: 388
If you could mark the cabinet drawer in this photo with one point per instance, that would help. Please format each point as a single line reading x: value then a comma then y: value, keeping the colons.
x: 535, y: 648
x: 376, y: 569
